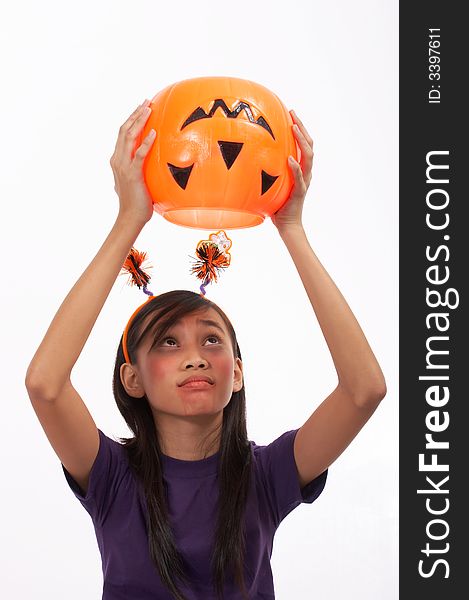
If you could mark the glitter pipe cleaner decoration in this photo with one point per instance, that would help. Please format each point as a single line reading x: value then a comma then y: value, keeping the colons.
x: 133, y: 267
x: 213, y: 255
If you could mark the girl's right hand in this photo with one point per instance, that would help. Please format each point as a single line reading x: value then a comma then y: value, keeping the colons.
x: 127, y: 166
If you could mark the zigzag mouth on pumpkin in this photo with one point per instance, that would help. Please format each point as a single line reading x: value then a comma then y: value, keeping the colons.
x: 199, y: 113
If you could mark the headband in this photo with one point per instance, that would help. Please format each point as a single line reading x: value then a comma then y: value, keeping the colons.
x: 212, y: 254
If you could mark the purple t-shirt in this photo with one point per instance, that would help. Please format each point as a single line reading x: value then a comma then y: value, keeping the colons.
x: 118, y: 517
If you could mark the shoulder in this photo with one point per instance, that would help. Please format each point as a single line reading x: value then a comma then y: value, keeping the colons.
x: 280, y: 443
x: 278, y: 476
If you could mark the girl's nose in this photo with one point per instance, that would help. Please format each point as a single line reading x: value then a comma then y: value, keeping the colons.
x: 199, y: 363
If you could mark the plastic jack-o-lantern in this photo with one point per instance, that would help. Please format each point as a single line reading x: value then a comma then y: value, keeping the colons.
x: 220, y: 156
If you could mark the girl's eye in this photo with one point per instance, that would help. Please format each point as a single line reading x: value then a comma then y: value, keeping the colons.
x: 209, y: 337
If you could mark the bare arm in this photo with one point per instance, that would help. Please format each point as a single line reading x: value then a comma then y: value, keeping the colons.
x: 361, y: 384
x: 360, y: 376
x: 58, y: 352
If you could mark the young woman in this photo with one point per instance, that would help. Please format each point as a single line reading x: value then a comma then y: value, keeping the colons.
x: 188, y: 507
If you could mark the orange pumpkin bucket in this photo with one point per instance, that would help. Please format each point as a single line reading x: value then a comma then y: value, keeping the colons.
x: 220, y: 157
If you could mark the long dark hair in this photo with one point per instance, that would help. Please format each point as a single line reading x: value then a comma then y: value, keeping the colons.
x: 144, y: 453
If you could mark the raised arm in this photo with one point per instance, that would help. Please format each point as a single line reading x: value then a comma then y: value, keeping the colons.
x: 361, y: 385
x: 51, y: 366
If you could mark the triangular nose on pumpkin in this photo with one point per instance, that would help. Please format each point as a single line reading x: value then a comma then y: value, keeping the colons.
x: 230, y: 151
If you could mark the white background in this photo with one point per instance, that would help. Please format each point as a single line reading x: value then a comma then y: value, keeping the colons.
x: 71, y: 75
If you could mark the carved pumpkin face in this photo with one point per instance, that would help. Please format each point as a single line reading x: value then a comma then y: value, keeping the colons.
x: 220, y: 157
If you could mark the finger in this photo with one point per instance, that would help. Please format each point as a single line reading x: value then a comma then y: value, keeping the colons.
x: 119, y: 143
x: 120, y: 150
x: 133, y: 136
x: 143, y: 149
x: 306, y: 150
x: 299, y: 185
x: 302, y: 128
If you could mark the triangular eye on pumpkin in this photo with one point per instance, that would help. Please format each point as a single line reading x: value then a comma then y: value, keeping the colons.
x: 238, y: 136
x: 180, y: 174
x: 267, y: 181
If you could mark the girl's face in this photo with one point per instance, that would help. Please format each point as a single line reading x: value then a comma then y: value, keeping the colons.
x: 192, y: 347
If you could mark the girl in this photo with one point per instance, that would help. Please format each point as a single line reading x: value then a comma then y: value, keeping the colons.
x: 188, y: 507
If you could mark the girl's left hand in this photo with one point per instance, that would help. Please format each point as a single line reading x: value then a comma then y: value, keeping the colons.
x: 290, y: 213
